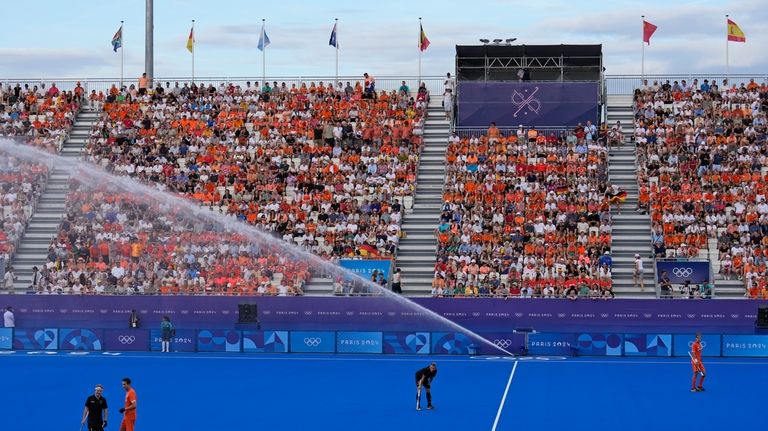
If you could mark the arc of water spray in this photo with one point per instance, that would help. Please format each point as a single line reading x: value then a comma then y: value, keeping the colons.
x: 100, y: 176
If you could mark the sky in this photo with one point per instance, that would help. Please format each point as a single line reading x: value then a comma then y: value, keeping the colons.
x: 71, y: 38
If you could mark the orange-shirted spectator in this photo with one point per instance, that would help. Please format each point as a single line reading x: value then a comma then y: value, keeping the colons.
x: 143, y: 84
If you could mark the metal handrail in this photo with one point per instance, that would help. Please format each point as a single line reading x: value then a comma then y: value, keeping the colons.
x: 614, y: 84
x: 434, y: 84
x: 627, y: 84
x: 508, y: 131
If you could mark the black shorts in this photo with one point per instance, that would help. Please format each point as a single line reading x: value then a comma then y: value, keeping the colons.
x: 95, y: 427
x: 425, y: 384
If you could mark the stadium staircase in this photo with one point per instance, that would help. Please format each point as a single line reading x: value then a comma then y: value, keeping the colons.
x: 44, y: 224
x: 631, y: 229
x: 416, y: 254
x: 619, y: 108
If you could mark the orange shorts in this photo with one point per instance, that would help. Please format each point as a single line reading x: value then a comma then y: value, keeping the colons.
x: 698, y: 367
x: 127, y: 424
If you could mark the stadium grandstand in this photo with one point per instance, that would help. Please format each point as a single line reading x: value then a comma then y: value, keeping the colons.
x: 349, y: 170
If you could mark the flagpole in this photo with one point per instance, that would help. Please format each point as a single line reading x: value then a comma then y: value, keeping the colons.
x: 263, y: 52
x: 418, y: 82
x: 336, y: 28
x: 193, y: 51
x: 642, y: 50
x: 727, y: 66
x: 122, y: 52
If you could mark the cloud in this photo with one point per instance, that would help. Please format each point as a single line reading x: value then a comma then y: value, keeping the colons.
x: 690, y: 38
x: 44, y: 62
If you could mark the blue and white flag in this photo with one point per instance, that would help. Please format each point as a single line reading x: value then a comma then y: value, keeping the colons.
x: 263, y: 39
x: 333, y: 41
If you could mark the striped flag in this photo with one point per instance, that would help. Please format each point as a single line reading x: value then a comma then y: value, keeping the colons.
x: 263, y: 39
x: 423, y: 41
x: 333, y: 42
x: 191, y: 40
x: 117, y: 39
x: 734, y: 33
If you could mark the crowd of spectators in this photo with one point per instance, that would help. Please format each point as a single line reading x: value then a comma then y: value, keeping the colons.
x: 702, y: 169
x: 329, y: 169
x: 113, y: 242
x: 525, y: 214
x: 41, y: 117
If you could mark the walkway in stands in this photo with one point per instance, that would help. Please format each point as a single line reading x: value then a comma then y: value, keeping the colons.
x: 417, y: 251
x: 631, y: 229
x: 44, y: 224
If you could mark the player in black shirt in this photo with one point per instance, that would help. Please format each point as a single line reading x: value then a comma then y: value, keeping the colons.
x: 95, y: 405
x: 424, y: 378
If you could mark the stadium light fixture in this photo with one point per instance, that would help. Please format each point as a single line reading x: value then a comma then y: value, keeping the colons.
x: 485, y: 41
x: 497, y: 41
x: 509, y: 41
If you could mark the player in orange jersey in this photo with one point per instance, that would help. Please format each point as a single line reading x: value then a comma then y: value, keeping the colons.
x: 129, y: 411
x: 697, y: 365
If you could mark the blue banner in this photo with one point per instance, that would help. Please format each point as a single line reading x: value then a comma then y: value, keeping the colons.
x: 451, y: 343
x: 313, y: 342
x: 6, y: 338
x: 745, y: 345
x: 218, y: 340
x: 599, y: 344
x: 510, y: 104
x: 509, y: 341
x: 81, y: 339
x: 183, y: 341
x: 406, y: 342
x: 265, y: 341
x: 710, y: 344
x: 359, y: 342
x: 551, y: 344
x: 681, y: 271
x: 35, y: 339
x: 126, y: 340
x: 365, y: 267
x: 648, y: 344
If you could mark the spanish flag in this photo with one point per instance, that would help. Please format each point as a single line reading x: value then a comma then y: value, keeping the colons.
x: 423, y: 41
x: 191, y: 40
x: 734, y: 32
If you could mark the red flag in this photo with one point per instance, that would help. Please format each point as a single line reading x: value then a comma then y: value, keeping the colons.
x: 648, y: 30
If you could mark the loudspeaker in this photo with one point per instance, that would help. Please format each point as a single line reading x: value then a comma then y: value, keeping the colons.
x: 762, y: 317
x: 248, y: 313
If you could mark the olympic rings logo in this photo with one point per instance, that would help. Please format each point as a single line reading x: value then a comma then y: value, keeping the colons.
x: 503, y: 343
x: 126, y: 339
x: 312, y: 341
x: 703, y: 344
x: 682, y: 272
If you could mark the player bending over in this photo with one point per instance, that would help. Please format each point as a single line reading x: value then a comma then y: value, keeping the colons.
x: 697, y: 365
x: 424, y: 378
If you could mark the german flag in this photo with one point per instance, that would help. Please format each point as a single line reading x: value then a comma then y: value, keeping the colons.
x: 618, y: 197
x: 561, y: 190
